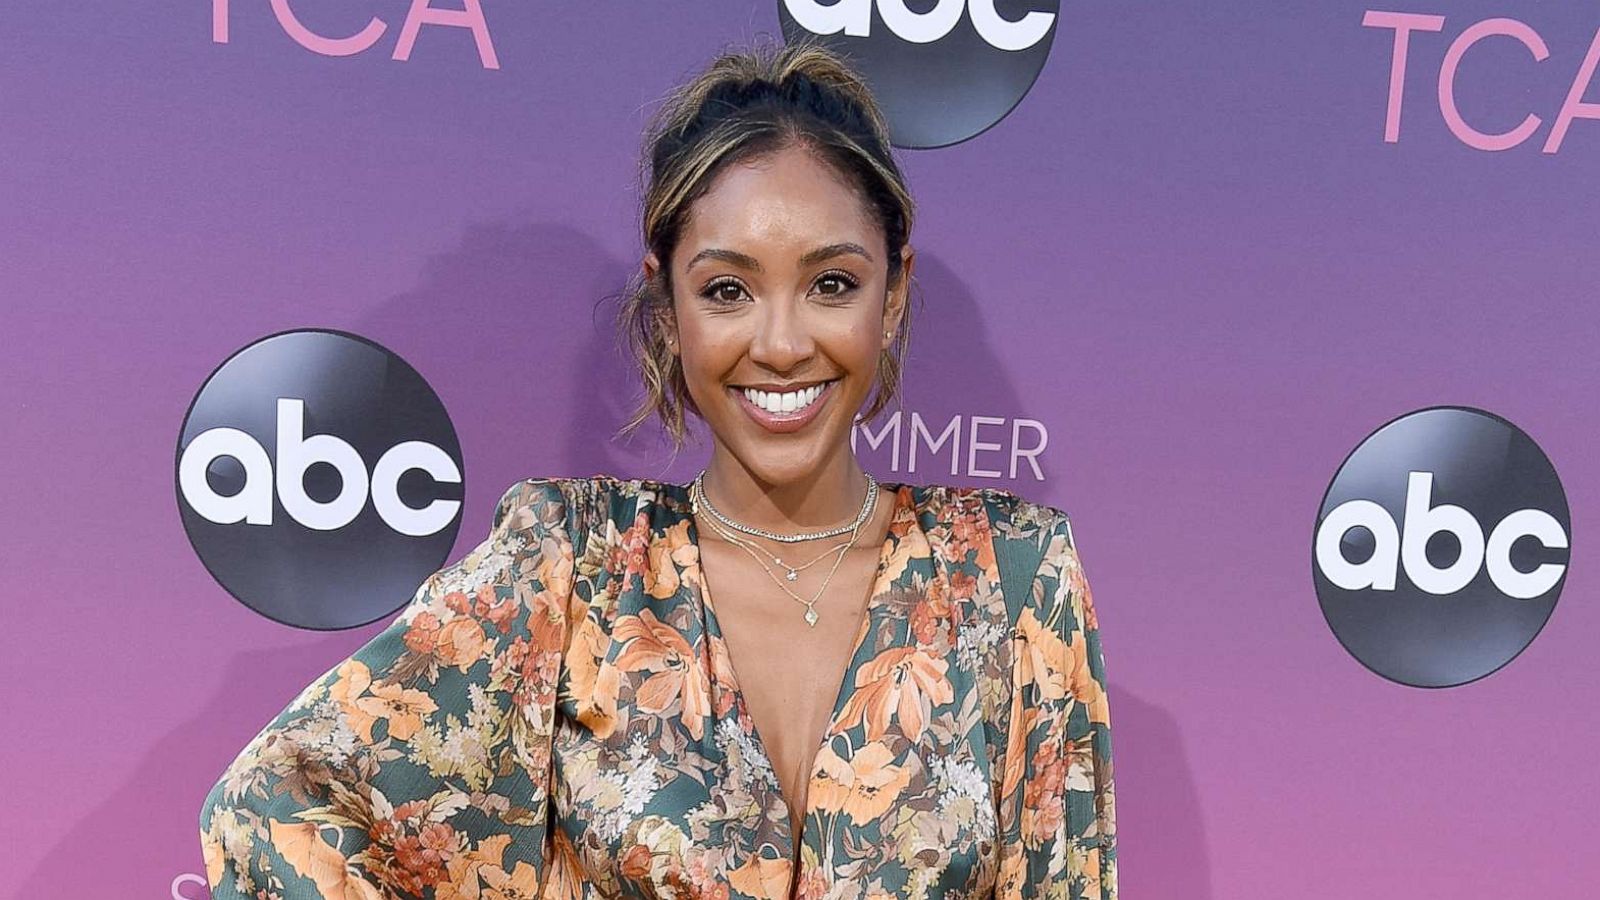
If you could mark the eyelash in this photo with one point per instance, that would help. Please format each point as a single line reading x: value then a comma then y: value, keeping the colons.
x: 850, y: 285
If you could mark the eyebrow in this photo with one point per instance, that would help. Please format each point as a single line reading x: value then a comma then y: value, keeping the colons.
x: 827, y: 251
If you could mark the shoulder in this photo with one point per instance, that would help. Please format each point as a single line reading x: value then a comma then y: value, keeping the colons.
x: 1030, y: 539
x: 1014, y: 522
x: 582, y: 503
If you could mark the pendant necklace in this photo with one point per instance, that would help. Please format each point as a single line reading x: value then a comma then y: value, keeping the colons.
x: 698, y: 499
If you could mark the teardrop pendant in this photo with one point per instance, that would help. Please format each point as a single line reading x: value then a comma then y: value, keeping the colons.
x: 811, y: 617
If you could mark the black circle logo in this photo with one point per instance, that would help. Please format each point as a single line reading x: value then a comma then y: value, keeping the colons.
x: 1441, y: 546
x: 319, y: 479
x: 944, y: 71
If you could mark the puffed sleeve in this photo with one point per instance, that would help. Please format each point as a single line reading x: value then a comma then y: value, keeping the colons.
x: 419, y: 766
x: 1057, y: 800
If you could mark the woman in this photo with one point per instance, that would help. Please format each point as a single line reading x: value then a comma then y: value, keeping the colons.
x: 781, y: 680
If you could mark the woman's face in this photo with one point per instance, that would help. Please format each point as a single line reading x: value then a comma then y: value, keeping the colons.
x: 781, y: 301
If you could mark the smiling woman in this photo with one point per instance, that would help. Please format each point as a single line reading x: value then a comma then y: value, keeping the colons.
x: 616, y: 694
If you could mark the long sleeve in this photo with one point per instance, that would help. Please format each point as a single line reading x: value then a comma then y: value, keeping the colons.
x: 1057, y: 797
x: 420, y: 765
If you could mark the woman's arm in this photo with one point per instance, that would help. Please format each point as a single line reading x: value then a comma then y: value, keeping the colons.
x: 1057, y: 797
x: 417, y: 767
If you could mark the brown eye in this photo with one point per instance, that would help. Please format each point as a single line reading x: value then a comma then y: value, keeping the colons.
x: 718, y: 292
x: 843, y: 280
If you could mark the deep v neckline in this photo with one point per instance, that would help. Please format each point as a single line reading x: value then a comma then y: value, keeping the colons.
x: 904, y: 505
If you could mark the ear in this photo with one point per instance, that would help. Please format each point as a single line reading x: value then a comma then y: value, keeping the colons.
x: 894, y: 306
x: 651, y: 267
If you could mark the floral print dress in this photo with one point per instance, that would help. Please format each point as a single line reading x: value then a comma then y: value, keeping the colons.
x: 556, y: 716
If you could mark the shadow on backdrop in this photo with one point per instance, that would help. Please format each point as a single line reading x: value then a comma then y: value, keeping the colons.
x: 114, y: 835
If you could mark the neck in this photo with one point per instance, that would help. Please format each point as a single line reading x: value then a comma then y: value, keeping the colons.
x: 830, y: 495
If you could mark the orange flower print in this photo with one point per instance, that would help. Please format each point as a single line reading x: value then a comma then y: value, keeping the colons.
x: 655, y: 646
x: 460, y: 643
x: 556, y: 566
x: 1022, y: 722
x: 705, y: 878
x: 353, y: 679
x: 863, y: 787
x: 1080, y: 681
x: 402, y: 708
x: 1042, y: 655
x: 211, y: 852
x: 497, y: 611
x: 908, y: 544
x: 422, y: 634
x: 1057, y: 667
x: 593, y: 687
x: 813, y: 884
x: 1044, y: 800
x: 302, y: 847
x: 635, y: 862
x: 962, y: 584
x: 630, y: 552
x: 901, y: 684
x: 1013, y: 876
x: 462, y: 881
x: 668, y: 553
x: 761, y: 876
x: 970, y: 531
x: 422, y: 856
x: 931, y: 617
x: 522, y: 883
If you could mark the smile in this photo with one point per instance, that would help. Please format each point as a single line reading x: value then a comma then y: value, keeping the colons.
x: 786, y: 411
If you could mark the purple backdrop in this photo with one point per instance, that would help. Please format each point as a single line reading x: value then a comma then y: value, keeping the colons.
x: 1189, y: 253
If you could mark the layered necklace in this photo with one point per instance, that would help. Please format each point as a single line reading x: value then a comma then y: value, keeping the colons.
x: 726, y: 527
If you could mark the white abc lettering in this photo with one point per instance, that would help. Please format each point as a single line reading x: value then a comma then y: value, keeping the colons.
x: 921, y: 28
x: 1532, y: 522
x: 854, y: 18
x: 1378, y: 572
x: 400, y: 459
x: 1410, y: 542
x: 253, y: 504
x: 1003, y: 34
x: 296, y: 454
x: 1423, y: 521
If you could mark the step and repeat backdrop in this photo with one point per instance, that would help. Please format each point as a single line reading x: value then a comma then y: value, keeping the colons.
x: 1292, y: 308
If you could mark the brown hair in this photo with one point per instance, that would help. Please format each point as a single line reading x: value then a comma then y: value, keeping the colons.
x: 745, y: 104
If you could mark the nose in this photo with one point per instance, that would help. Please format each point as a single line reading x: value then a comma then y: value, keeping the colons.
x: 782, y: 338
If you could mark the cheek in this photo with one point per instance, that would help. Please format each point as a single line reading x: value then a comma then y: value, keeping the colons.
x: 706, y: 353
x: 857, y: 348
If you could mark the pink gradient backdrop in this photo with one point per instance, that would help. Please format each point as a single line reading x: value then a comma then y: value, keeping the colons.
x: 1189, y: 252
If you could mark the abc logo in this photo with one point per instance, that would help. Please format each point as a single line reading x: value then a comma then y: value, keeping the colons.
x: 1441, y: 546
x: 319, y: 479
x: 943, y: 70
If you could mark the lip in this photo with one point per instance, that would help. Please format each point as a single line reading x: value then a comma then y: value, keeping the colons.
x: 783, y: 423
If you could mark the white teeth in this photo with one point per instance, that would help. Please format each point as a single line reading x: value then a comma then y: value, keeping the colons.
x: 791, y: 401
